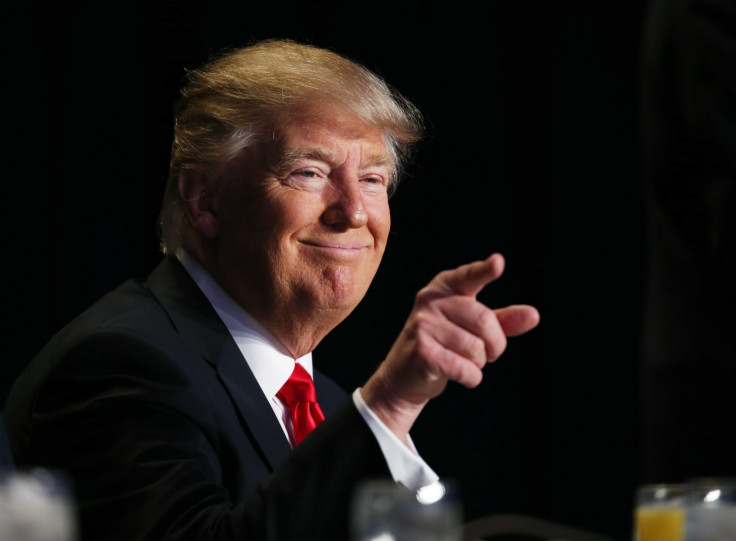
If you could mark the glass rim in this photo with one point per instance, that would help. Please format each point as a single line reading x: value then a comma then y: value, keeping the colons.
x: 655, y: 486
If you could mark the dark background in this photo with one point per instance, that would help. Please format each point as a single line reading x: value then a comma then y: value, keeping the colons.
x: 532, y: 151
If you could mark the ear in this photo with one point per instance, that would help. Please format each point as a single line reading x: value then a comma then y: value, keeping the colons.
x: 198, y: 201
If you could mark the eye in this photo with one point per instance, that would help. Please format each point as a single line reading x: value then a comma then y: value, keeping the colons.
x: 374, y: 185
x: 310, y: 179
x: 373, y: 180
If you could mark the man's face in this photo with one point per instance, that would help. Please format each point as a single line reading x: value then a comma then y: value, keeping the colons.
x: 303, y: 221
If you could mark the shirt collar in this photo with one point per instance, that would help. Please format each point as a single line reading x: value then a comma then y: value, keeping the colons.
x: 267, y: 358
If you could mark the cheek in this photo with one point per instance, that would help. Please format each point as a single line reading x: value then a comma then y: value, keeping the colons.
x: 293, y: 212
x: 380, y: 221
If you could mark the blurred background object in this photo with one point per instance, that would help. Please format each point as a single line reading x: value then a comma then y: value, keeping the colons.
x: 688, y: 106
x: 37, y: 505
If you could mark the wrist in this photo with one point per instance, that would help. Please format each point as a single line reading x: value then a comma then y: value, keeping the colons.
x: 397, y: 414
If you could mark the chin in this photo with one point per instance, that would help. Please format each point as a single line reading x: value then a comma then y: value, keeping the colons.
x: 338, y: 300
x: 339, y: 304
x: 343, y: 286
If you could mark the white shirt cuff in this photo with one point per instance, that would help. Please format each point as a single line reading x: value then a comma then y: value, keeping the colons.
x: 404, y: 463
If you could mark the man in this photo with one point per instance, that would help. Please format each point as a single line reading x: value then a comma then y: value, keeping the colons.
x: 162, y: 400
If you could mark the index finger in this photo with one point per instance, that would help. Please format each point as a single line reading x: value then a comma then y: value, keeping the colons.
x: 471, y: 278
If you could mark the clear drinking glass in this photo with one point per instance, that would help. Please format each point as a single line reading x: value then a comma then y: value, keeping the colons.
x: 711, y: 509
x: 660, y: 513
x: 36, y: 505
x: 385, y: 511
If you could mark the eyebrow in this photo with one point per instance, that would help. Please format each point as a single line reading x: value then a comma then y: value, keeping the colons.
x: 290, y: 157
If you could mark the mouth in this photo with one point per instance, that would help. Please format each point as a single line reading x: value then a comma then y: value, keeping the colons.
x: 337, y: 248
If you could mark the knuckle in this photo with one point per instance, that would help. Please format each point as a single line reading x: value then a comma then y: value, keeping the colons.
x: 423, y: 348
x: 421, y: 294
x: 486, y: 317
x: 426, y: 295
x: 423, y: 345
x: 421, y: 324
x: 450, y: 364
x: 496, y: 347
x: 475, y: 347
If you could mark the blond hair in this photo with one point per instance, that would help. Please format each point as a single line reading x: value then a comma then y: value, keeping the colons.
x: 232, y: 101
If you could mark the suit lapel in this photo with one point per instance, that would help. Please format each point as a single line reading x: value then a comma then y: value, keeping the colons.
x: 199, y: 324
x: 243, y: 387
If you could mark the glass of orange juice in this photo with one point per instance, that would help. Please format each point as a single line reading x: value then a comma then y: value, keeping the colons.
x: 711, y: 509
x: 660, y: 513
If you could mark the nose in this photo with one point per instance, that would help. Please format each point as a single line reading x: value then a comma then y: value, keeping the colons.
x: 345, y: 206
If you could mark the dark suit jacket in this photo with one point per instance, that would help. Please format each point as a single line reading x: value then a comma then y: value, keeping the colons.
x: 6, y: 457
x: 147, y: 403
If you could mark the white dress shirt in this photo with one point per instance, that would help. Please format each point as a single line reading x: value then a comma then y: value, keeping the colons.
x: 272, y: 365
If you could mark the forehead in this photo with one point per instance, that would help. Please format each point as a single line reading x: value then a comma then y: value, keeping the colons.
x: 331, y: 134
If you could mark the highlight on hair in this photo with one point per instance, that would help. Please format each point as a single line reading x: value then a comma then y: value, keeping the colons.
x: 243, y: 94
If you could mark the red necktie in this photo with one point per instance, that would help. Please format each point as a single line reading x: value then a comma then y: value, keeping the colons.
x: 298, y: 393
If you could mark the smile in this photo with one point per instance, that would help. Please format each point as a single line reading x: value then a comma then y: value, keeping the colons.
x: 337, y: 248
